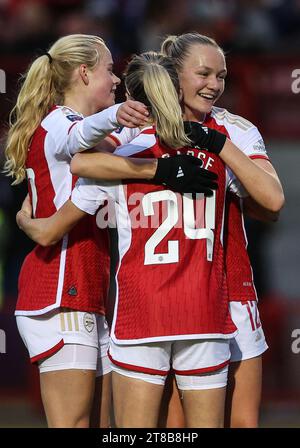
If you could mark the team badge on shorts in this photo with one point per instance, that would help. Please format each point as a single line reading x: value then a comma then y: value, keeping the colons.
x: 88, y: 322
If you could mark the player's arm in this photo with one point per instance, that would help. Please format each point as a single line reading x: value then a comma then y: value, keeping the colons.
x: 105, y: 166
x: 194, y: 179
x: 86, y: 133
x: 255, y: 210
x: 117, y: 138
x: 106, y: 145
x: 48, y: 231
x: 257, y: 177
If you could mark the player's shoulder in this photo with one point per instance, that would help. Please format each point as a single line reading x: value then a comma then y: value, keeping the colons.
x: 60, y: 118
x: 229, y: 120
x: 145, y: 140
x: 147, y: 136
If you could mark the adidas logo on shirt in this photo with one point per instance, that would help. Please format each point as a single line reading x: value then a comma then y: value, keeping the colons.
x: 180, y: 172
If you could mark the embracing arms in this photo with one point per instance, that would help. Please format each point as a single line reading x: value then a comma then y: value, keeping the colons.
x: 258, y: 177
x: 48, y: 231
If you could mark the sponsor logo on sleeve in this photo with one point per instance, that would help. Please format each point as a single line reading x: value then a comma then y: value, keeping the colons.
x: 70, y: 115
x: 74, y: 117
x: 259, y: 146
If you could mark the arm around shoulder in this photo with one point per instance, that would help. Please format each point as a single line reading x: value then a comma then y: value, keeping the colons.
x: 48, y: 231
x: 257, y: 176
x: 256, y: 211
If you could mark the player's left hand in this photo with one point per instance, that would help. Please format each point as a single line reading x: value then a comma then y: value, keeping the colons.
x: 204, y: 138
x: 132, y: 114
x: 27, y: 206
x: 184, y: 173
x: 25, y: 211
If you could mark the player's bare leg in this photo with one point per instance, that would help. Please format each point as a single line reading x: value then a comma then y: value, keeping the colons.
x: 244, y: 393
x: 204, y: 408
x: 100, y: 416
x: 67, y: 397
x: 136, y: 402
x: 171, y: 411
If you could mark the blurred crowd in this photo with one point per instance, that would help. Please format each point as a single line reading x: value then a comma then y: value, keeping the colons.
x: 135, y: 25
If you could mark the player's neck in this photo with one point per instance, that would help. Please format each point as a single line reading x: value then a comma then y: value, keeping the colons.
x: 191, y: 115
x: 78, y: 104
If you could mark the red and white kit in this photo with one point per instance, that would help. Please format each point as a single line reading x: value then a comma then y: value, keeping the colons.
x: 171, y: 283
x: 74, y: 273
x: 250, y: 341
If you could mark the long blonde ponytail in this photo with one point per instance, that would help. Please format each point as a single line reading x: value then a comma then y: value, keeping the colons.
x: 45, y: 84
x: 152, y: 79
x: 33, y: 103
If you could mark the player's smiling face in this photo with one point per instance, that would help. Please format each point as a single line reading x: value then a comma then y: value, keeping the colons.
x: 104, y: 82
x: 202, y: 80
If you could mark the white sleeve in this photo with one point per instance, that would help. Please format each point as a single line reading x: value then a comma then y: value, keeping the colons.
x: 88, y: 195
x: 86, y: 133
x: 123, y: 135
x: 139, y: 144
x: 68, y: 132
x: 234, y: 185
x: 249, y: 141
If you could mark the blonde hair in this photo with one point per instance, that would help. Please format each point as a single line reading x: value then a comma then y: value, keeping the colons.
x: 178, y: 47
x: 152, y: 79
x: 45, y: 84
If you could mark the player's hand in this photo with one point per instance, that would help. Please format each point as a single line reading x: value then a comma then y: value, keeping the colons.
x: 184, y: 173
x: 204, y: 138
x: 27, y: 206
x: 24, y: 212
x: 132, y: 114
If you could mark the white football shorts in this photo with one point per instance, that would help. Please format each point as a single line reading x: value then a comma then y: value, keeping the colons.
x: 250, y: 340
x: 66, y: 339
x: 197, y: 364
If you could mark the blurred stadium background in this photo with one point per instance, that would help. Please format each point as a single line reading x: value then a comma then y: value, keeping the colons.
x: 262, y: 42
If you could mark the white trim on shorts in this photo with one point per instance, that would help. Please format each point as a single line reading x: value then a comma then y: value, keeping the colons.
x: 250, y: 340
x: 70, y: 356
x: 196, y: 359
x: 212, y: 380
x: 76, y: 356
x: 47, y: 335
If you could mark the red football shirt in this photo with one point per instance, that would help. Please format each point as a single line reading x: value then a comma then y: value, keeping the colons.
x: 238, y: 267
x: 73, y: 273
x: 171, y: 281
